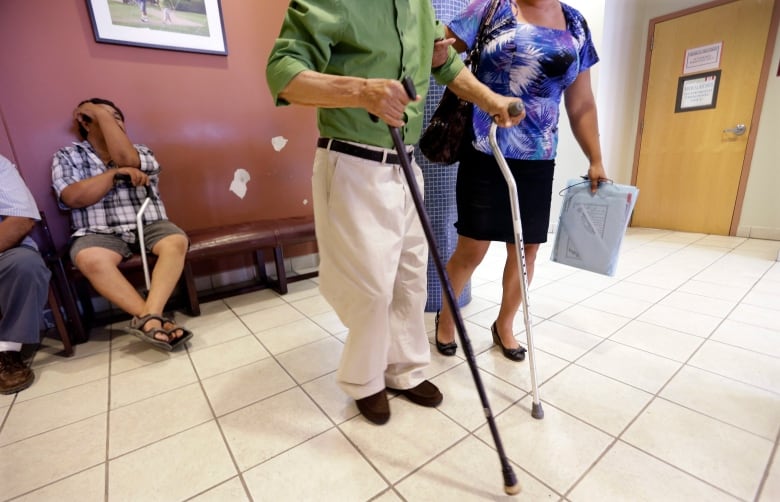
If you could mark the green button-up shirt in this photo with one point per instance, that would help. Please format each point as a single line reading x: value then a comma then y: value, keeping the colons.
x: 361, y: 38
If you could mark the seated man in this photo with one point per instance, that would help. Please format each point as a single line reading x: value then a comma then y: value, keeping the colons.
x: 103, y: 181
x: 24, y: 279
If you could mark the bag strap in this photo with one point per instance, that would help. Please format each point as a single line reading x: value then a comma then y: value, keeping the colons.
x: 473, y: 58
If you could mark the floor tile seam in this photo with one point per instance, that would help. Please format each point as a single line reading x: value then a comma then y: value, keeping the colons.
x: 55, y: 481
x: 293, y: 349
x: 708, y: 339
x: 65, y: 359
x: 590, y: 468
x: 203, y: 492
x: 147, y: 365
x: 732, y: 378
x: 109, y: 409
x: 716, y: 419
x: 657, y: 396
x: 492, y: 445
x: 238, y: 471
x: 505, y: 381
x: 160, y: 439
x: 757, y: 305
x: 215, y: 418
x: 773, y: 456
x: 363, y: 455
x: 752, y: 324
x: 107, y: 442
x: 679, y: 469
x: 602, y: 336
x: 577, y: 361
x: 323, y: 337
x: 292, y: 386
x: 701, y: 339
x: 746, y: 349
x: 57, y: 427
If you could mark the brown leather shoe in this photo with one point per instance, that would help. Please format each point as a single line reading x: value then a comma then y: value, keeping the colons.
x: 424, y: 394
x: 375, y: 407
x: 14, y: 374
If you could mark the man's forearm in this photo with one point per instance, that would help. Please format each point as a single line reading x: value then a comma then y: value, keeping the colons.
x: 311, y: 88
x: 87, y: 192
x: 467, y: 87
x: 12, y: 230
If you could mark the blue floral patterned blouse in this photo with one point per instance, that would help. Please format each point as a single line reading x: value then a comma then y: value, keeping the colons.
x: 533, y: 63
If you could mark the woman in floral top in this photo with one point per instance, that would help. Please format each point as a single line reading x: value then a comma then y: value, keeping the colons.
x: 539, y: 51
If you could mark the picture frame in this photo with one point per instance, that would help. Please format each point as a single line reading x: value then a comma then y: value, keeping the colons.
x: 179, y: 25
x: 697, y: 92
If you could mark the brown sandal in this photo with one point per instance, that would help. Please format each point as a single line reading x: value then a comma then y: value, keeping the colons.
x: 136, y: 328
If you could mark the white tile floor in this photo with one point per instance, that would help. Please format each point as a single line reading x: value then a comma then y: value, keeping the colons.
x: 662, y: 383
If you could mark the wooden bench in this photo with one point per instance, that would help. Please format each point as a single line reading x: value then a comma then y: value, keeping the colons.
x: 213, y: 243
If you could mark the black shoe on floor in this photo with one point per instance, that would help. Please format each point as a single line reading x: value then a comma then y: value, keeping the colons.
x: 15, y: 376
x: 516, y: 354
x: 445, y: 349
x: 424, y: 394
x: 375, y: 407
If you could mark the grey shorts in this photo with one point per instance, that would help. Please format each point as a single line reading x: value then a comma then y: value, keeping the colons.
x: 153, y: 233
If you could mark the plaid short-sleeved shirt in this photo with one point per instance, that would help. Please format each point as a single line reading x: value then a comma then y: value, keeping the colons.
x: 115, y: 213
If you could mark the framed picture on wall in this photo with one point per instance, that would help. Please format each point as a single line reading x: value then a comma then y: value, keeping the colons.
x: 179, y: 25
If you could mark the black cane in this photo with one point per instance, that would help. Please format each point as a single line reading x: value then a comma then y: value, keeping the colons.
x: 511, y: 486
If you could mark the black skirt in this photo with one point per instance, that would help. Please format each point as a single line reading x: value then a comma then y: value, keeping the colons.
x: 484, y: 211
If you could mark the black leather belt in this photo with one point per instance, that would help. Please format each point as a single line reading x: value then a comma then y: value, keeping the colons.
x: 357, y: 151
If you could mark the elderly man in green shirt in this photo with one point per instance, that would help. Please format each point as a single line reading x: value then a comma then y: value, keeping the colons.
x: 347, y: 58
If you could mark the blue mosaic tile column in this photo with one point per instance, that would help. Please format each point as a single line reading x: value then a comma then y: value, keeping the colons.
x: 440, y: 185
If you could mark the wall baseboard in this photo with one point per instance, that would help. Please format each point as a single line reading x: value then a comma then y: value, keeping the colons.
x: 766, y: 233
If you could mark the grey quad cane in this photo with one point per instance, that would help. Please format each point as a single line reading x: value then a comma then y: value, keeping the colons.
x: 514, y: 110
x: 511, y: 485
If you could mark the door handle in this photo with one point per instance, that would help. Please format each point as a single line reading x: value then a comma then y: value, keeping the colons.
x: 737, y: 130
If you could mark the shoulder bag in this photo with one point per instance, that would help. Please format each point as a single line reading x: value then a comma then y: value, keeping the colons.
x: 450, y: 123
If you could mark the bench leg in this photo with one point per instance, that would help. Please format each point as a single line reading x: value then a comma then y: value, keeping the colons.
x: 54, y: 305
x: 280, y: 272
x: 262, y: 275
x: 65, y: 289
x: 187, y: 283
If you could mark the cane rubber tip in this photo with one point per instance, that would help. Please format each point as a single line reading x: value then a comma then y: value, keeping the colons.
x: 513, y: 489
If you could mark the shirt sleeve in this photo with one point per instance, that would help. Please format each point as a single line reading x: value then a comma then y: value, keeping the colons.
x: 149, y: 164
x: 581, y: 33
x: 15, y: 197
x: 64, y: 172
x: 447, y: 72
x: 304, y: 42
x: 466, y: 24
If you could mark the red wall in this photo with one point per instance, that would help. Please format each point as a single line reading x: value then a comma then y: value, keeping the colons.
x: 203, y: 115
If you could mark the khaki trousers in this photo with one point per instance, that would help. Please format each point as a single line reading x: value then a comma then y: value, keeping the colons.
x: 373, y: 260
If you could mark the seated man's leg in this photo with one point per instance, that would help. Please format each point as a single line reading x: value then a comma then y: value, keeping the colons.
x: 170, y: 244
x: 24, y: 283
x: 98, y: 256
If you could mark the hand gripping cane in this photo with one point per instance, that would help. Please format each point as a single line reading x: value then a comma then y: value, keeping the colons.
x: 514, y: 110
x: 511, y: 486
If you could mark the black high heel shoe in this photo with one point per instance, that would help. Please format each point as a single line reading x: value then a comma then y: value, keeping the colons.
x: 445, y: 349
x: 517, y: 354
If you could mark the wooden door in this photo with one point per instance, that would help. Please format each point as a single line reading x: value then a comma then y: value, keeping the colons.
x: 690, y: 169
